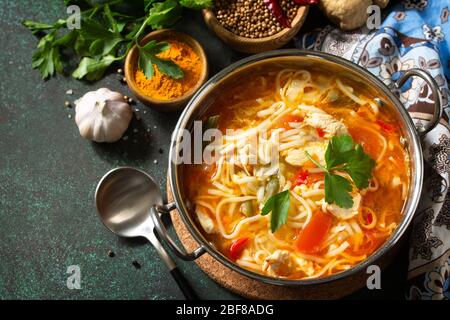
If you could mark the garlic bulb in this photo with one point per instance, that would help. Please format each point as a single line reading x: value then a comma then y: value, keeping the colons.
x: 102, y: 115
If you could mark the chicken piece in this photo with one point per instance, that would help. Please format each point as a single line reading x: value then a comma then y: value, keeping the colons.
x: 279, y: 263
x: 205, y: 221
x: 346, y: 213
x: 297, y: 157
x: 282, y: 263
x: 326, y: 122
x: 306, y: 266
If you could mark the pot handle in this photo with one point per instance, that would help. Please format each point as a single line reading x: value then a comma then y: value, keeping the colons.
x: 438, y: 108
x: 155, y: 212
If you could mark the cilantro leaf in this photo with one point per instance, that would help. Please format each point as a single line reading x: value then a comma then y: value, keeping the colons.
x: 344, y: 155
x: 145, y: 64
x: 360, y: 167
x: 36, y: 27
x: 338, y: 149
x: 168, y: 67
x: 103, y: 41
x: 92, y: 68
x: 112, y: 22
x: 47, y: 57
x: 278, y: 204
x: 147, y: 4
x: 163, y: 14
x: 196, y: 4
x: 337, y: 190
x: 154, y: 47
x: 148, y: 58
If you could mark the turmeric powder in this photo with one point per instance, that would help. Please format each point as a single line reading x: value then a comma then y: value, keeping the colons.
x: 163, y: 87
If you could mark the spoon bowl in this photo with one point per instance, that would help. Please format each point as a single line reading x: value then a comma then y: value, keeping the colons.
x: 123, y: 198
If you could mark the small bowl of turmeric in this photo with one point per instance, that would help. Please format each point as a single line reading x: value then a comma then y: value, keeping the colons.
x: 166, y: 69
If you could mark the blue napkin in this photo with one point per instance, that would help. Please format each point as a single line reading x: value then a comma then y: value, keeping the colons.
x: 413, y: 34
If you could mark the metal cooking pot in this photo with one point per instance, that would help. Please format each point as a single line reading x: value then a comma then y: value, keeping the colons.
x: 216, y: 86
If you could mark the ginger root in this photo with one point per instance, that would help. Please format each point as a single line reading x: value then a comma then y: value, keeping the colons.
x: 349, y: 14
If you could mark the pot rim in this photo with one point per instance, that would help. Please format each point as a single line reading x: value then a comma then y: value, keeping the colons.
x: 409, y: 207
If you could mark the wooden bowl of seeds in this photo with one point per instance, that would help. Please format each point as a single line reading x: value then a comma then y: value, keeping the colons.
x: 250, y: 26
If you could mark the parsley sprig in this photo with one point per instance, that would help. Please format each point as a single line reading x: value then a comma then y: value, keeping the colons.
x: 108, y: 30
x: 278, y: 204
x: 343, y: 155
x: 148, y: 57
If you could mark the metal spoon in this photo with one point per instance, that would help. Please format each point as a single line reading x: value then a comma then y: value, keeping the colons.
x: 123, y: 198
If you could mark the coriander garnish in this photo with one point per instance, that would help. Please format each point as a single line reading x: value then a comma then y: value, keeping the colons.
x: 148, y: 58
x: 345, y: 156
x: 278, y: 204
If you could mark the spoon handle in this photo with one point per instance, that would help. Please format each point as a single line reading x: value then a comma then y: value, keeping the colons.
x: 184, y: 285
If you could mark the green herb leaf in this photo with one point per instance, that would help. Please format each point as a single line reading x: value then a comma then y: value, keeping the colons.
x: 148, y: 4
x: 338, y: 149
x: 164, y: 14
x: 153, y: 47
x: 196, y: 4
x: 46, y: 55
x: 66, y: 40
x: 344, y: 155
x: 360, y: 167
x: 145, y: 64
x: 112, y: 22
x: 36, y: 27
x: 337, y: 190
x: 278, y: 204
x: 168, y: 67
x: 93, y: 69
x: 95, y: 32
x: 148, y: 58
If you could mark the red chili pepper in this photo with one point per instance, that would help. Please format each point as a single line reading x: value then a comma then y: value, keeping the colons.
x: 369, y: 218
x: 306, y: 2
x: 301, y: 178
x: 275, y: 8
x: 236, y: 247
x: 385, y: 126
x: 320, y: 132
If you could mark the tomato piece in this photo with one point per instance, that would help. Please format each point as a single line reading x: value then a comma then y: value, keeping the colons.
x: 385, y: 126
x: 314, y: 177
x: 310, y: 239
x: 284, y: 121
x: 369, y: 218
x: 300, y: 178
x: 320, y: 132
x: 369, y: 140
x: 237, y: 246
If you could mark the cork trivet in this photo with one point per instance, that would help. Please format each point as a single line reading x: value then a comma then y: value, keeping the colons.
x: 252, y: 289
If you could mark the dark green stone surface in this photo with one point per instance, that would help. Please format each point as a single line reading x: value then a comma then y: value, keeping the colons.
x: 48, y: 175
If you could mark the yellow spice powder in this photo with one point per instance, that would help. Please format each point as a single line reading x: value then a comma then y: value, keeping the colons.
x: 163, y: 87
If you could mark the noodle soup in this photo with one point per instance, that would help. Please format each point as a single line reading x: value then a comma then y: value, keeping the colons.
x: 268, y: 203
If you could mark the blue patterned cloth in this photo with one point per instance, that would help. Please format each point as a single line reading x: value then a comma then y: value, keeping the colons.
x: 413, y: 34
x: 416, y: 33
